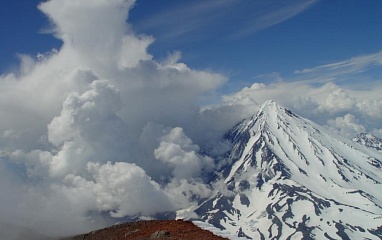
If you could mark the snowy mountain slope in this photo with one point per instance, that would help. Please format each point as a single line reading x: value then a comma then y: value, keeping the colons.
x: 369, y: 140
x: 292, y: 179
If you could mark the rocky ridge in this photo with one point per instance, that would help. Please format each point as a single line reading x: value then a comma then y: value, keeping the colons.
x: 369, y: 140
x: 151, y: 229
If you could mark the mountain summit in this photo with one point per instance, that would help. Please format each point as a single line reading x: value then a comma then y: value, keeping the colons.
x: 289, y: 178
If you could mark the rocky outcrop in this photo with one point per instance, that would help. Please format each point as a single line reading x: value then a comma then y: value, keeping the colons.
x: 152, y: 229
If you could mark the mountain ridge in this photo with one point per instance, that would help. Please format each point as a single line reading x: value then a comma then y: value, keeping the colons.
x: 369, y: 141
x: 291, y: 178
x: 149, y: 229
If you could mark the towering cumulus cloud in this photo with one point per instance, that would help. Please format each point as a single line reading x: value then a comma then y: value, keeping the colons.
x: 98, y: 129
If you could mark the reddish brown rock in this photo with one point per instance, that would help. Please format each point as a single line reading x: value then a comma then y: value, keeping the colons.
x: 153, y: 229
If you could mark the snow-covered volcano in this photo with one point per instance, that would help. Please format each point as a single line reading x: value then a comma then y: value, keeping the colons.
x: 289, y: 178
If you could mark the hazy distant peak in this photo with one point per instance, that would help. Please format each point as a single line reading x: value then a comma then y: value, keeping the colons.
x: 369, y: 140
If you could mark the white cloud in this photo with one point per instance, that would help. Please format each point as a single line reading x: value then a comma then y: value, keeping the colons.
x: 347, y: 126
x: 86, y: 112
x: 352, y: 65
x: 179, y: 152
x: 275, y: 13
x: 121, y: 188
x: 337, y: 99
x: 192, y: 21
x: 327, y: 94
x: 371, y: 107
x: 185, y: 18
x: 322, y: 103
x: 99, y: 37
x: 79, y: 125
x: 186, y: 193
x: 351, y: 72
x: 133, y: 50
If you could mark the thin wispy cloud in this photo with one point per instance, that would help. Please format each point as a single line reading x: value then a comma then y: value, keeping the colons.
x: 183, y: 19
x: 349, y: 65
x: 346, y: 71
x: 272, y: 13
x: 232, y: 19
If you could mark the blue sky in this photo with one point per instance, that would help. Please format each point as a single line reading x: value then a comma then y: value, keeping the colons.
x: 243, y: 39
x: 21, y: 27
x: 234, y: 37
x: 313, y: 42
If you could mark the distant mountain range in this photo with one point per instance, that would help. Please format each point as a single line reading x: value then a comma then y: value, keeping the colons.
x: 289, y: 178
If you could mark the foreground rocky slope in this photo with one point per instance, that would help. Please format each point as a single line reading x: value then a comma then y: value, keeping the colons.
x: 289, y: 178
x: 153, y: 229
